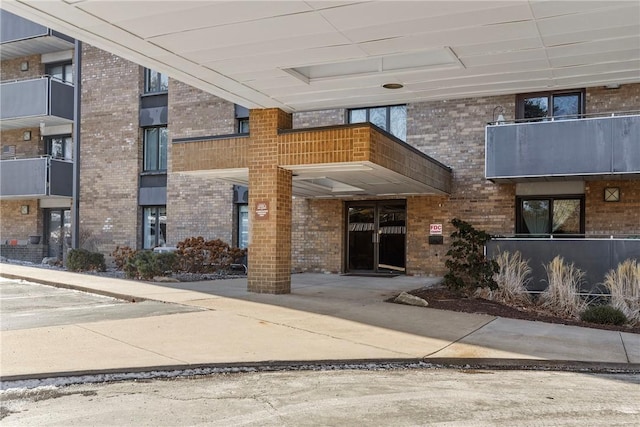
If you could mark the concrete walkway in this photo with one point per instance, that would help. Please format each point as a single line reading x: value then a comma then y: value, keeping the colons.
x: 326, y: 317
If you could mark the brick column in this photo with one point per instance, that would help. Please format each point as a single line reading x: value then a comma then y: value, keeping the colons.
x: 269, y: 206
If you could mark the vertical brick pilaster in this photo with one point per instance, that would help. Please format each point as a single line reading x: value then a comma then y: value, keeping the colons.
x: 270, y: 243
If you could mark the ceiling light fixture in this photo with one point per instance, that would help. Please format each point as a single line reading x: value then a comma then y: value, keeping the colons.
x: 393, y: 86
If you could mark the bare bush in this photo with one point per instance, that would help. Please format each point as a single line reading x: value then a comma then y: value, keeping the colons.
x: 197, y: 255
x: 562, y: 296
x: 624, y: 285
x: 512, y: 278
x: 87, y: 240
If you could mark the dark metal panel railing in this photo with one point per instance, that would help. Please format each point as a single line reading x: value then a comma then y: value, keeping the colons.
x: 36, y: 177
x: 562, y: 148
x: 594, y: 256
x: 35, y: 97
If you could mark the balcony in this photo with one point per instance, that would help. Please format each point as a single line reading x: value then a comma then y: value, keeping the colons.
x: 35, y: 178
x: 594, y: 256
x: 589, y: 148
x: 28, y: 103
x: 21, y: 37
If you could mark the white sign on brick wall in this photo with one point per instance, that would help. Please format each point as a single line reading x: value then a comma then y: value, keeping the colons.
x: 435, y: 229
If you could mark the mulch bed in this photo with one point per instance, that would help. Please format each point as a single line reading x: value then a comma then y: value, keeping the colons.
x: 443, y: 299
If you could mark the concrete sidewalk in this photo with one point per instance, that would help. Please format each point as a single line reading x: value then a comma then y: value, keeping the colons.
x: 326, y: 317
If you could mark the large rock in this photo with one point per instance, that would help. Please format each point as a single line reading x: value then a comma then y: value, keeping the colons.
x: 405, y: 298
x: 165, y: 279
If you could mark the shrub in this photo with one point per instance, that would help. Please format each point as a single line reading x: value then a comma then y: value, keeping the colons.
x: 624, y: 285
x: 512, y: 279
x: 468, y: 267
x: 197, y: 255
x: 604, y: 315
x: 83, y: 260
x: 146, y: 265
x: 122, y: 255
x: 562, y: 296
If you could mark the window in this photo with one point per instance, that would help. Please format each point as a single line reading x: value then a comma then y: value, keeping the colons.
x: 155, y: 149
x: 543, y: 216
x: 59, y: 147
x: 393, y: 119
x: 536, y: 107
x: 60, y: 71
x: 154, y: 223
x: 242, y: 118
x: 243, y: 125
x: 155, y: 81
x: 243, y: 226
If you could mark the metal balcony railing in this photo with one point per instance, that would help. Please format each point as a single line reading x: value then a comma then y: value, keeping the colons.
x: 598, y: 145
x: 26, y: 103
x: 35, y: 178
x: 594, y: 255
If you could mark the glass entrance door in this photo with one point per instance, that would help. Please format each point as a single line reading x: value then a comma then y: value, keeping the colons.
x: 376, y: 237
x: 58, y: 226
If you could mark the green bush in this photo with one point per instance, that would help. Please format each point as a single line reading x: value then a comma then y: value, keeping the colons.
x: 604, y: 315
x: 147, y: 264
x: 83, y: 260
x: 468, y: 267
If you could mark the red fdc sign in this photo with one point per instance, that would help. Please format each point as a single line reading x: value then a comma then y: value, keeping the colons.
x: 435, y: 229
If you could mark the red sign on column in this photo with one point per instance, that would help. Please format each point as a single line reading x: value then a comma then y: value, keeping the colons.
x: 262, y: 209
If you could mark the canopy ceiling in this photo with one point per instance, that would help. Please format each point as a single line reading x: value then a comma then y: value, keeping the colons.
x: 307, y: 55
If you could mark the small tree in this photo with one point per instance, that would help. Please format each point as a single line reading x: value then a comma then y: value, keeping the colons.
x: 467, y: 264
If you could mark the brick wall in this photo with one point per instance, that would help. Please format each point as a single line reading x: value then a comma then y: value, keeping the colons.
x: 194, y: 113
x: 24, y: 252
x: 10, y: 68
x: 111, y: 149
x: 319, y: 118
x: 612, y: 218
x: 15, y: 225
x: 603, y: 100
x: 452, y: 132
x: 318, y: 235
x: 21, y: 149
x: 197, y: 205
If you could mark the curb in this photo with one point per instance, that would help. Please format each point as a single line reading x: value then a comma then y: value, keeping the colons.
x: 183, y: 371
x: 129, y: 298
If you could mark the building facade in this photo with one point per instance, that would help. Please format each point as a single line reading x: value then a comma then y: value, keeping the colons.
x: 36, y: 123
x: 368, y: 190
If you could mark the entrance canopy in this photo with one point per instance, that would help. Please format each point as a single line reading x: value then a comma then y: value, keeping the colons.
x: 336, y: 161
